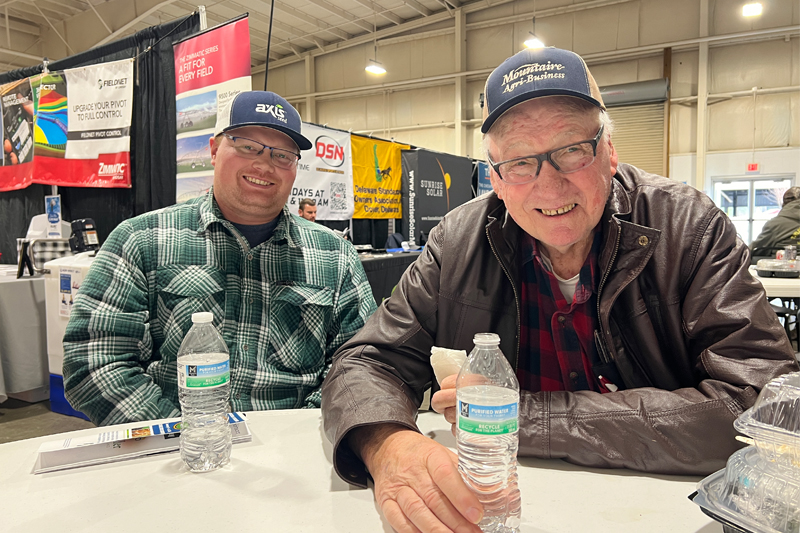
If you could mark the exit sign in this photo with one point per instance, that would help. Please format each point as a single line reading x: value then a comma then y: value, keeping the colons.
x: 753, y: 167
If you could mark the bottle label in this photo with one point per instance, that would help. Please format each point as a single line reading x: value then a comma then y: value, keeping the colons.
x: 487, y: 419
x: 204, y: 376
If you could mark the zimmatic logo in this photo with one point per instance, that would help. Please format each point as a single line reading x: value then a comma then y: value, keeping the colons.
x: 115, y: 171
x: 329, y: 151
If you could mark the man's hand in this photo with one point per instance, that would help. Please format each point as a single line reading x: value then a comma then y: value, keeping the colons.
x: 417, y: 483
x: 444, y: 400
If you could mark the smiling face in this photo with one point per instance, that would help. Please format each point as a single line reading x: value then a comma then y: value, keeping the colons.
x: 559, y: 210
x: 251, y: 191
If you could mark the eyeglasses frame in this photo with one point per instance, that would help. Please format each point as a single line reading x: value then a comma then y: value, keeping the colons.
x: 546, y: 156
x: 263, y: 149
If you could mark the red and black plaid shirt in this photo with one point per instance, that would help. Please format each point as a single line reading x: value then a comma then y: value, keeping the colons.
x: 556, y: 338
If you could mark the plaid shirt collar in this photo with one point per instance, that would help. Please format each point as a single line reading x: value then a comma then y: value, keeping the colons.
x: 210, y: 213
x: 586, y: 281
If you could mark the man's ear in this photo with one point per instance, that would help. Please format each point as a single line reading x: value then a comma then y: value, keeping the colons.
x: 497, y: 183
x: 613, y: 158
x: 212, y: 141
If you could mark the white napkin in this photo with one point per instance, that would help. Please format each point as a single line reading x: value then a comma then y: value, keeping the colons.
x: 446, y: 362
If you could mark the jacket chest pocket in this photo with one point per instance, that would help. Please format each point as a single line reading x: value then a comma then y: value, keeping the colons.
x: 181, y: 291
x: 300, y: 317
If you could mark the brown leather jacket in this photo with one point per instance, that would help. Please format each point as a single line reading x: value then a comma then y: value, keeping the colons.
x: 684, y: 329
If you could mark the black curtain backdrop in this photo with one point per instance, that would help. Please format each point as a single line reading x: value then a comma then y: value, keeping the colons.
x: 365, y: 230
x: 153, y: 133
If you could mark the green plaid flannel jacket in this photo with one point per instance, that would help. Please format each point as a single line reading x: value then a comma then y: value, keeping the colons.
x: 283, y: 308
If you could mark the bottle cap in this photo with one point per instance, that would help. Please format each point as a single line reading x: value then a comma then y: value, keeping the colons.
x: 486, y: 338
x: 202, y: 318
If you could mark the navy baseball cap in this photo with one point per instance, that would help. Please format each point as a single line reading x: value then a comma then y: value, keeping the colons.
x: 537, y: 72
x: 262, y: 108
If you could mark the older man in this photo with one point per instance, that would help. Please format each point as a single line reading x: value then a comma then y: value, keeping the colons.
x: 285, y: 293
x: 622, y: 300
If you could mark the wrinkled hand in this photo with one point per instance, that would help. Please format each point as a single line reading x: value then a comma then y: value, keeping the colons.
x: 444, y: 400
x: 417, y: 483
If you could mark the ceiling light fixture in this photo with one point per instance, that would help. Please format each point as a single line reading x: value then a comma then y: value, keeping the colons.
x: 751, y: 10
x: 533, y: 41
x: 374, y: 67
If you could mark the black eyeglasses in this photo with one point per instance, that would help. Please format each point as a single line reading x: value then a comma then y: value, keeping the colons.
x: 566, y: 159
x: 250, y: 149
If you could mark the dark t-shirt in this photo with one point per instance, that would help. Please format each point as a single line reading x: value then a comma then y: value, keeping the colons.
x: 258, y: 233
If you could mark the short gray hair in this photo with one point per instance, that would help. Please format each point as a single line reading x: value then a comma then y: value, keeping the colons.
x: 570, y: 106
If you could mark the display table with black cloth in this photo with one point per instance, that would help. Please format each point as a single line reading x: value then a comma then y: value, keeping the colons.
x: 283, y: 480
x: 24, y: 370
x: 385, y: 270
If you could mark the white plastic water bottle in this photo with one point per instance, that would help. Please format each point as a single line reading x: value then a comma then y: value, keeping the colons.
x: 203, y: 389
x: 487, y: 393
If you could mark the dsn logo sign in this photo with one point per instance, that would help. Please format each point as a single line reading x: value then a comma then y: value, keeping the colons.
x: 329, y: 151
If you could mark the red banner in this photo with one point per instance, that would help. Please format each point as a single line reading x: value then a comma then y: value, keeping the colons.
x: 69, y: 128
x: 213, y: 57
x: 210, y: 69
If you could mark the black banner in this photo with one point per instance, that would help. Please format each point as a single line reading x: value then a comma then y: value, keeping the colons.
x: 433, y: 184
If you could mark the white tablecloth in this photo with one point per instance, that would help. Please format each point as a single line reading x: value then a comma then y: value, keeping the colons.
x: 779, y: 287
x: 284, y: 481
x: 24, y: 371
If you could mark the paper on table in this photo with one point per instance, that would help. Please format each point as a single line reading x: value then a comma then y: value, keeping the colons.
x: 117, y: 445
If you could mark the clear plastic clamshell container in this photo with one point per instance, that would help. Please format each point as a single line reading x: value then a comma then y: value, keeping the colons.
x: 774, y: 421
x: 754, y: 493
x: 779, y: 268
x: 760, y: 486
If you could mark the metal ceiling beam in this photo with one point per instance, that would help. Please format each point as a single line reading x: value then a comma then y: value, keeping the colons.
x: 132, y: 23
x: 411, y: 24
x: 289, y: 10
x: 296, y: 49
x: 419, y: 8
x: 385, y: 13
x: 319, y: 42
x: 342, y: 14
x: 62, y: 7
x: 71, y: 51
x: 20, y: 26
x: 21, y: 54
x: 91, y: 6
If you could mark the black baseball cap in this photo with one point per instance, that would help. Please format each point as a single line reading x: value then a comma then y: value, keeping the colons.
x: 537, y: 72
x: 262, y: 108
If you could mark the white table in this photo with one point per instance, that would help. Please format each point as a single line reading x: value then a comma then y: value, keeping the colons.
x: 24, y: 371
x: 284, y: 481
x: 779, y: 287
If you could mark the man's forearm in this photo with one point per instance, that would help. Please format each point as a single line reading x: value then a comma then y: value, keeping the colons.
x: 366, y: 441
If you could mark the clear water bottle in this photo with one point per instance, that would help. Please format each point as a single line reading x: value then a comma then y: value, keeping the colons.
x: 203, y: 389
x: 487, y: 393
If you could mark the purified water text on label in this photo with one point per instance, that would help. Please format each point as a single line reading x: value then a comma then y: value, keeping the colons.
x: 487, y: 419
x: 201, y: 374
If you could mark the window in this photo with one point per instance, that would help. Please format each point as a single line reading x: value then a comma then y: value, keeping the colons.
x: 749, y: 202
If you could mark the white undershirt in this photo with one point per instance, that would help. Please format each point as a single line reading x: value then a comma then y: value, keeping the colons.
x: 567, y: 286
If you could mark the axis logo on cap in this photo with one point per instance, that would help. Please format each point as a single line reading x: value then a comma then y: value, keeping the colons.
x: 274, y: 110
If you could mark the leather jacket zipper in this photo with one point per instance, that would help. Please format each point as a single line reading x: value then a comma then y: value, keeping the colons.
x: 601, y: 347
x: 516, y: 298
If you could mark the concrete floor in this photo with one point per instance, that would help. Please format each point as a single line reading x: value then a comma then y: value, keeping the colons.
x: 22, y: 420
